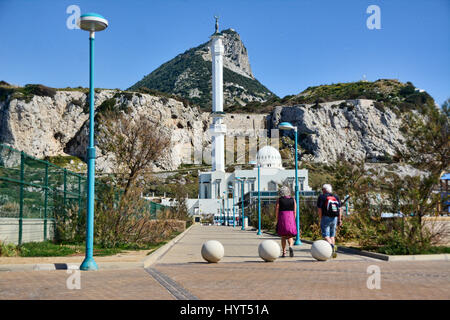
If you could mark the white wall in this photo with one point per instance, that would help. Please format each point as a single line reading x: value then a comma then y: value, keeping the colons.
x: 32, y: 230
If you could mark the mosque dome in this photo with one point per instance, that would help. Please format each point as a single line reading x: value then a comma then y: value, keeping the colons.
x: 269, y: 157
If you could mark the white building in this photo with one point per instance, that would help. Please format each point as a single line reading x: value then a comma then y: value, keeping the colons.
x: 217, y: 185
x: 213, y: 184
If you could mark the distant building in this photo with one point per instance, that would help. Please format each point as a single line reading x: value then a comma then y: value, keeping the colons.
x: 216, y: 187
x: 212, y: 184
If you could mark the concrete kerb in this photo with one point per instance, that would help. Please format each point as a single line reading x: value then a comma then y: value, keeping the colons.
x: 385, y: 257
x: 68, y: 266
x: 157, y: 254
x: 101, y: 265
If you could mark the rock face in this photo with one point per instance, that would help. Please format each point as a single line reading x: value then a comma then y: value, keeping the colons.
x: 47, y: 126
x: 189, y: 75
x: 354, y: 129
x: 235, y: 56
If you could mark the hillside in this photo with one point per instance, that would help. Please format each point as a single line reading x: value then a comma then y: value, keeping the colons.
x: 188, y: 75
x: 48, y: 122
x: 386, y: 93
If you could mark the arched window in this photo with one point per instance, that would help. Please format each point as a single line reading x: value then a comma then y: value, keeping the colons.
x: 272, y: 186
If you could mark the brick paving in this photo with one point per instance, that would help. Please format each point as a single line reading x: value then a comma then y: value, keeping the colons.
x: 311, y: 280
x: 241, y: 274
x: 102, y: 284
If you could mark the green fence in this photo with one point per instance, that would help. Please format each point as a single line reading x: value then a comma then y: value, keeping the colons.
x: 35, y: 189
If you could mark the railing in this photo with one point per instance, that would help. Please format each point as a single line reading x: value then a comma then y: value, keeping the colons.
x: 31, y: 188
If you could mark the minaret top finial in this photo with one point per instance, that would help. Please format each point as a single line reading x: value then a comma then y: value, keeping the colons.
x: 217, y: 23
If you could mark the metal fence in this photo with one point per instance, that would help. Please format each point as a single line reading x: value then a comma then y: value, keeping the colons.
x: 36, y: 190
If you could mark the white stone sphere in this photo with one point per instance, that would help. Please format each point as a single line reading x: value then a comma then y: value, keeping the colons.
x: 269, y: 250
x: 212, y: 251
x: 321, y: 250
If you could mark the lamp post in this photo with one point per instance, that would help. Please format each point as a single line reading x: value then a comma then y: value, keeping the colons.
x: 241, y: 180
x: 91, y: 22
x: 259, y: 197
x: 289, y: 126
x: 234, y: 213
x: 219, y: 211
x: 223, y: 208
x: 228, y: 210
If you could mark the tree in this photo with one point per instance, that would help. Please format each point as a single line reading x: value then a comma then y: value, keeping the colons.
x: 135, y: 144
x: 428, y: 146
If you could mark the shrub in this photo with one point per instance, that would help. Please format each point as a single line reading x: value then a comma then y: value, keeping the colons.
x: 8, y: 250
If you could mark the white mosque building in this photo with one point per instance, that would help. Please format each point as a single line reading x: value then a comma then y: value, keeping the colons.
x: 217, y: 187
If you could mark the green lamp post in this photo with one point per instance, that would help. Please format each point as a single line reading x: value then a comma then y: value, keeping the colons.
x: 91, y: 22
x: 242, y: 180
x: 289, y: 126
x: 259, y: 196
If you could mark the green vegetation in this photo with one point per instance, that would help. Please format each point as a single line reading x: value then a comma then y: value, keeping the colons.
x: 50, y: 249
x: 387, y: 93
x: 164, y: 79
x: 170, y: 185
x: 25, y: 93
x: 68, y: 162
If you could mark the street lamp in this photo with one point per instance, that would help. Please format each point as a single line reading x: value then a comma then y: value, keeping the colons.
x: 91, y: 22
x: 242, y: 180
x: 259, y: 197
x: 223, y: 208
x: 234, y: 213
x: 228, y: 210
x: 289, y: 126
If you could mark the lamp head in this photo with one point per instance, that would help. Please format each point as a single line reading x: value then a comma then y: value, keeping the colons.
x: 286, y: 126
x: 92, y: 22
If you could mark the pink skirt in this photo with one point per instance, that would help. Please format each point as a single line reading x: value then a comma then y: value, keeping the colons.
x: 286, y: 224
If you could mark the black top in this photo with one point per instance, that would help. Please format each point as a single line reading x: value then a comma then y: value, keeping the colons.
x: 286, y: 204
x: 321, y: 202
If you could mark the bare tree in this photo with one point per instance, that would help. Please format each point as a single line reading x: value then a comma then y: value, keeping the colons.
x: 135, y: 144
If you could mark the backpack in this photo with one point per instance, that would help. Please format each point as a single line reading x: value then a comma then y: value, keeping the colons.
x: 332, y: 206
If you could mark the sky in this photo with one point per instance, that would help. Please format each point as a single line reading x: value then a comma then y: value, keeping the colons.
x: 292, y: 44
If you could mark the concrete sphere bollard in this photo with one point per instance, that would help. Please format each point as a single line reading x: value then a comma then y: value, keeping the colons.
x: 212, y: 251
x: 321, y: 250
x: 269, y: 250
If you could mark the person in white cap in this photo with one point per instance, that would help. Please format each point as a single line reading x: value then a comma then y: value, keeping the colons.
x: 330, y: 215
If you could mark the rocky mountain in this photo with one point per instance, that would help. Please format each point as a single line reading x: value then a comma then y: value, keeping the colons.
x: 189, y: 75
x: 44, y: 122
x: 47, y: 122
x: 355, y: 129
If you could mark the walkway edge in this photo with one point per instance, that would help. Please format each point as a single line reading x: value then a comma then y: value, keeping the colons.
x: 385, y: 257
x: 107, y: 265
x: 157, y: 254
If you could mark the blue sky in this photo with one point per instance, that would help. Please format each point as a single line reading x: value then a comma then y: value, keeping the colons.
x: 292, y: 44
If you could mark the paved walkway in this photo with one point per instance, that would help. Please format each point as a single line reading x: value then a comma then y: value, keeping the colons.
x: 240, y: 246
x: 181, y: 273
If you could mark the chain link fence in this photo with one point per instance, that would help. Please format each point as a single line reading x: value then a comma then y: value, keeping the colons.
x: 32, y: 191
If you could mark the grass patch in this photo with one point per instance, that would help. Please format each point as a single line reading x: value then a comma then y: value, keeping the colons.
x: 50, y: 249
x: 389, y: 250
x: 45, y: 249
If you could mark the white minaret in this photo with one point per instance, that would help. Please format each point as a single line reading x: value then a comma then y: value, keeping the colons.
x: 218, y: 128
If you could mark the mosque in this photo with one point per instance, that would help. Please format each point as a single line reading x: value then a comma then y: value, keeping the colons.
x: 218, y: 188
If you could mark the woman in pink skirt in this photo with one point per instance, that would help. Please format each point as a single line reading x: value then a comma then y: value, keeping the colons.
x: 285, y: 211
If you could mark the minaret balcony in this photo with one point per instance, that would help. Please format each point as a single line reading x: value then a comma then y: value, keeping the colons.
x: 218, y: 129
